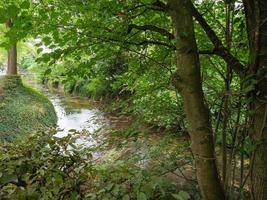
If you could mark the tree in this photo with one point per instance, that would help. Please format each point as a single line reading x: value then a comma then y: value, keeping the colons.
x: 255, y: 74
x: 103, y: 28
x: 16, y: 15
x: 12, y: 55
x: 256, y: 15
x: 188, y: 82
x: 187, y: 79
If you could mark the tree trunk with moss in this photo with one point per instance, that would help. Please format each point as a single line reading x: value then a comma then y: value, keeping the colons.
x: 187, y: 80
x: 12, y: 55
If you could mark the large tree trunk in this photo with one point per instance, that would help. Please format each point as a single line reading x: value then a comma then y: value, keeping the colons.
x: 258, y: 135
x: 256, y: 15
x: 12, y: 55
x: 188, y: 82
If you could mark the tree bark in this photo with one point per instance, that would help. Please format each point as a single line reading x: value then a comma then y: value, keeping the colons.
x: 187, y: 80
x: 256, y: 16
x: 12, y: 55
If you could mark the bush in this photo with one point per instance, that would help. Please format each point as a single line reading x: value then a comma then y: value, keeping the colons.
x: 46, y: 167
x: 98, y: 87
x: 159, y: 108
x: 27, y: 62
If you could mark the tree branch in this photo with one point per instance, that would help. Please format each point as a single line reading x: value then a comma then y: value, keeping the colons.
x: 208, y: 52
x: 158, y: 5
x: 147, y: 42
x: 153, y: 28
x: 218, y: 45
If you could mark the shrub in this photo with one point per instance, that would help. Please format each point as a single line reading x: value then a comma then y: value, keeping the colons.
x: 46, y: 167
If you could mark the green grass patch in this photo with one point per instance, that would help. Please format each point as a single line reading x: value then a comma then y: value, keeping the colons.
x: 22, y: 109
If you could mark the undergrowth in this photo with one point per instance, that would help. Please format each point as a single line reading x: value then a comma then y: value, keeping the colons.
x: 46, y: 167
x: 23, y: 110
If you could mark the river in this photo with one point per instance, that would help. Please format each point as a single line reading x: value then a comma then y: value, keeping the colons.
x: 76, y: 114
x: 73, y: 113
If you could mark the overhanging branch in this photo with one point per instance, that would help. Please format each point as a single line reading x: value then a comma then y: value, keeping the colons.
x: 219, y: 48
x: 147, y: 42
x: 153, y: 28
x: 208, y: 52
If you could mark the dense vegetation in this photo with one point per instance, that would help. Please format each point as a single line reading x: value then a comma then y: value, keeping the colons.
x: 183, y: 67
x: 22, y: 109
x: 42, y: 167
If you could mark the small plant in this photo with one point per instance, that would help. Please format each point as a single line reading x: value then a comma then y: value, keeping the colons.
x: 46, y: 167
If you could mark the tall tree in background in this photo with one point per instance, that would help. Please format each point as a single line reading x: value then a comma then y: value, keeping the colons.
x: 12, y: 55
x: 15, y: 15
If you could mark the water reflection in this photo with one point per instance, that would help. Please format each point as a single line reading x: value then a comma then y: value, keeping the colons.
x: 76, y: 114
x: 71, y: 117
x: 2, y: 71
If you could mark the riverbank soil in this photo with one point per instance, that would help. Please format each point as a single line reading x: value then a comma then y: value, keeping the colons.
x: 22, y: 109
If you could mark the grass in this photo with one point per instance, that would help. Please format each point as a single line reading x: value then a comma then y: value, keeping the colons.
x: 22, y: 109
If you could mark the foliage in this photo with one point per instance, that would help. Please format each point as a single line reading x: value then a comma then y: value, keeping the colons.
x: 23, y: 110
x: 113, y: 50
x: 27, y: 62
x: 46, y: 167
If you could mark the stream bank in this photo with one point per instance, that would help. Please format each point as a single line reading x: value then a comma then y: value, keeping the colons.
x: 22, y: 109
x: 124, y: 144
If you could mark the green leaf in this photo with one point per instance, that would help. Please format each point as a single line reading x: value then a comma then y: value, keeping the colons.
x: 46, y: 40
x: 126, y: 197
x: 47, y: 72
x: 74, y: 196
x: 25, y: 5
x: 58, y: 178
x: 3, y: 16
x: 109, y: 186
x: 39, y: 50
x: 12, y: 11
x: 141, y: 196
x: 183, y: 34
x: 182, y: 195
x: 7, y: 178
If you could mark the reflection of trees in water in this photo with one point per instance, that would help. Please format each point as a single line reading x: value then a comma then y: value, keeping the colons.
x: 73, y: 106
x: 69, y: 108
x: 2, y: 69
x: 71, y: 111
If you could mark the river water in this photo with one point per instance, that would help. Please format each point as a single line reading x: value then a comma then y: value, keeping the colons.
x: 74, y: 114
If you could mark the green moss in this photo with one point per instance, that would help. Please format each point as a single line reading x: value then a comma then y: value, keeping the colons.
x: 22, y: 109
x: 10, y: 81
